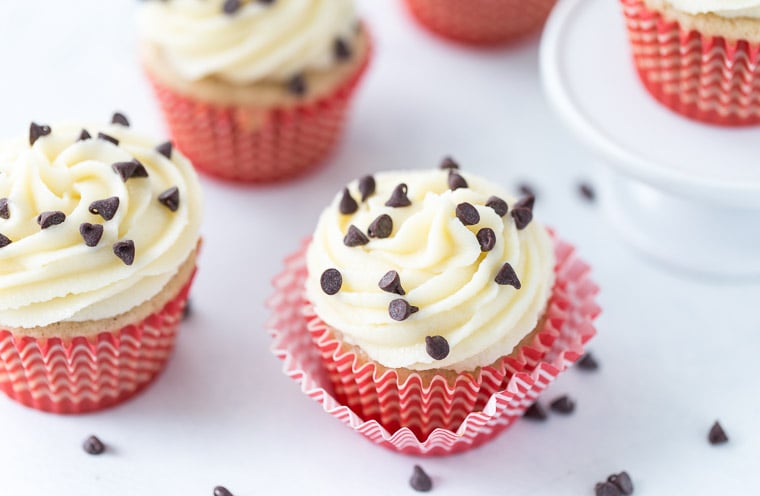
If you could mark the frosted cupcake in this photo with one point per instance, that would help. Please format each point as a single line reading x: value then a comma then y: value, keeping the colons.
x: 699, y: 58
x: 99, y: 231
x: 254, y: 90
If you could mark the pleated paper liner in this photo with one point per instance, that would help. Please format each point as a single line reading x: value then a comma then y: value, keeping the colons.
x: 706, y: 78
x: 86, y: 374
x: 481, y: 22
x: 438, y: 419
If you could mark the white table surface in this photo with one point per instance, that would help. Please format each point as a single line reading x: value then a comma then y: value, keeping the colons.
x: 676, y: 353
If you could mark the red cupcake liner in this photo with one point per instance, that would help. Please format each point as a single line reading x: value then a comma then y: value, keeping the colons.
x: 223, y: 141
x: 481, y: 22
x: 403, y: 417
x: 706, y: 78
x: 86, y: 374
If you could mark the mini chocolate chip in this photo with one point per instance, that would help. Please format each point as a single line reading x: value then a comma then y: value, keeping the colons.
x: 486, y: 238
x: 128, y: 170
x: 36, y: 131
x: 187, y: 311
x: 588, y: 362
x: 391, y: 283
x: 507, y: 276
x: 110, y: 139
x: 400, y: 310
x: 527, y: 201
x: 717, y: 435
x: 165, y: 149
x: 222, y: 491
x: 606, y: 489
x: 4, y: 241
x: 91, y: 233
x: 536, y: 412
x: 526, y: 189
x: 398, y: 197
x: 170, y: 198
x: 563, y: 405
x: 120, y: 119
x: 48, y: 219
x: 587, y: 192
x: 449, y: 163
x: 341, y: 49
x: 622, y: 481
x: 105, y: 208
x: 354, y: 237
x: 347, y: 203
x: 498, y: 205
x: 125, y: 250
x: 467, y: 214
x: 366, y: 187
x: 5, y: 212
x: 420, y: 481
x: 231, y: 6
x: 331, y: 281
x: 437, y: 347
x: 382, y: 227
x: 456, y: 181
x: 84, y: 135
x: 297, y: 85
x: 522, y: 217
x: 93, y: 446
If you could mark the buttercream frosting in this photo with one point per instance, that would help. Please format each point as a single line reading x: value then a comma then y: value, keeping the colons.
x: 722, y: 8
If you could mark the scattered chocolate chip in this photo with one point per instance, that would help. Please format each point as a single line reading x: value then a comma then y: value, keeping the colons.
x: 347, y: 203
x: 366, y: 187
x: 437, y: 347
x: 498, y: 205
x: 456, y: 181
x: 588, y: 362
x: 563, y: 405
x: 587, y: 192
x: 526, y: 189
x: 222, y: 491
x: 331, y: 281
x: 36, y: 131
x: 420, y: 481
x: 93, y: 446
x: 536, y: 412
x: 165, y: 149
x: 128, y: 170
x: 622, y: 481
x: 4, y: 241
x: 354, y: 237
x: 170, y: 198
x: 125, y: 250
x: 91, y: 233
x: 449, y: 163
x: 48, y: 219
x: 522, y: 217
x: 187, y: 311
x: 110, y: 139
x: 341, y: 49
x: 231, y: 6
x: 398, y: 197
x: 105, y: 208
x: 120, y: 119
x: 717, y: 435
x: 507, y: 276
x: 486, y: 238
x: 5, y: 212
x: 382, y: 227
x: 297, y: 85
x: 527, y: 201
x: 84, y: 135
x: 391, y: 283
x: 400, y: 310
x: 467, y: 214
x: 606, y: 489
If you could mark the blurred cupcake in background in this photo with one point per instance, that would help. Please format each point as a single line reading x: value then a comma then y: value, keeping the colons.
x: 254, y: 90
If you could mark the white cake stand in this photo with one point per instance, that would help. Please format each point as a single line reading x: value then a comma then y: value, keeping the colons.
x: 684, y: 192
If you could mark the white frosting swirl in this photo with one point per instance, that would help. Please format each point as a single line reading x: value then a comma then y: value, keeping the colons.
x: 722, y: 8
x: 442, y: 270
x: 261, y: 41
x: 51, y: 275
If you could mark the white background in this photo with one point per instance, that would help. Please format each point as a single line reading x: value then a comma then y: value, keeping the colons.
x: 676, y: 352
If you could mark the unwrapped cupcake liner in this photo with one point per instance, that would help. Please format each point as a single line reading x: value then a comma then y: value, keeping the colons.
x: 402, y: 417
x: 255, y: 144
x: 706, y: 78
x: 481, y: 22
x: 86, y: 374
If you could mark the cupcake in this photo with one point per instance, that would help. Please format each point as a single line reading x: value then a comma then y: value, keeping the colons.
x: 254, y: 90
x: 426, y: 293
x: 481, y: 22
x: 99, y: 234
x: 699, y: 58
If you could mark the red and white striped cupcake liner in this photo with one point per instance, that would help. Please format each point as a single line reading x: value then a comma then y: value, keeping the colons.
x: 438, y: 419
x: 86, y: 374
x: 706, y: 78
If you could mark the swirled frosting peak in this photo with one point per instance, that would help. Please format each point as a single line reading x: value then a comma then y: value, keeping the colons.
x: 94, y: 220
x: 430, y: 269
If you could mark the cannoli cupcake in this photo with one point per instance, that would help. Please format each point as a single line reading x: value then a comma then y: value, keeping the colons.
x: 699, y: 58
x: 254, y: 90
x: 99, y: 233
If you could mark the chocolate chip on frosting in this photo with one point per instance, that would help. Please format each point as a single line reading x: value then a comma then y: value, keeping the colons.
x: 391, y: 283
x: 341, y: 49
x: 231, y: 6
x: 105, y: 208
x: 347, y: 203
x: 522, y: 212
x: 120, y: 119
x: 5, y: 212
x: 456, y: 181
x: 297, y: 85
x: 170, y: 198
x: 467, y: 214
x: 128, y: 170
x: 4, y: 241
x: 91, y: 233
x: 486, y: 238
x: 331, y: 281
x: 36, y: 131
x: 366, y: 187
x: 398, y: 197
x: 48, y: 219
x: 84, y: 135
x: 449, y: 163
x: 125, y: 250
x: 526, y: 189
x: 528, y: 201
x: 437, y: 347
x: 354, y: 237
x: 507, y: 276
x: 110, y: 139
x: 165, y: 149
x: 382, y: 227
x: 399, y: 309
x: 420, y: 481
x: 498, y: 205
